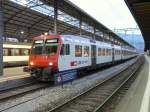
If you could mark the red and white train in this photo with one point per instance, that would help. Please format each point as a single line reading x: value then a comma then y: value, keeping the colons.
x: 51, y: 54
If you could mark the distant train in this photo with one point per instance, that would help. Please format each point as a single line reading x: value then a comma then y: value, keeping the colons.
x: 52, y: 54
x: 15, y: 54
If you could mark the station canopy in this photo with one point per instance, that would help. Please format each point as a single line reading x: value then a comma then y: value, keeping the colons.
x: 141, y: 12
x: 24, y: 19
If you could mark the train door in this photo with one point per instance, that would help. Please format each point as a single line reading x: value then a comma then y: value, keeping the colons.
x: 65, y: 57
x: 93, y: 54
x: 113, y: 53
x: 121, y: 53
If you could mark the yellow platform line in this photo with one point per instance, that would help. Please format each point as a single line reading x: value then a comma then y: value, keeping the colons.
x: 14, y: 77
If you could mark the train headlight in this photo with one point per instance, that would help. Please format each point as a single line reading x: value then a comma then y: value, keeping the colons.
x: 50, y: 63
x: 31, y: 63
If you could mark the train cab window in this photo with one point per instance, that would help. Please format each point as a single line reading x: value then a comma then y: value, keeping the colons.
x: 86, y: 51
x: 37, y: 48
x: 48, y: 47
x: 51, y: 46
x: 51, y: 49
x: 78, y: 50
x: 65, y: 49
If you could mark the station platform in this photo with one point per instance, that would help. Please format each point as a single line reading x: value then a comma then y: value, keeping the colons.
x: 13, y: 73
x: 137, y: 98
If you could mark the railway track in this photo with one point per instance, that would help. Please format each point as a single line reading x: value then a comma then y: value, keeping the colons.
x: 110, y: 104
x: 95, y: 98
x: 21, y: 90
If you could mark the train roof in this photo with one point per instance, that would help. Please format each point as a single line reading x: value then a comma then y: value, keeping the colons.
x: 74, y: 38
x: 67, y: 38
x: 18, y: 43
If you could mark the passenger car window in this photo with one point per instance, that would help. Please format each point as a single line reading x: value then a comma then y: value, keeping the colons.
x: 103, y: 51
x: 5, y: 52
x: 15, y: 52
x: 99, y: 52
x: 109, y: 51
x: 86, y: 51
x: 24, y: 52
x: 65, y: 49
x: 78, y: 50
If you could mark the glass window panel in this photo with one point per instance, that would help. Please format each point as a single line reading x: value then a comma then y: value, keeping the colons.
x: 86, y: 51
x: 78, y: 51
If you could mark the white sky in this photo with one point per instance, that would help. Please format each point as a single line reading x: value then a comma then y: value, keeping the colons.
x: 111, y: 13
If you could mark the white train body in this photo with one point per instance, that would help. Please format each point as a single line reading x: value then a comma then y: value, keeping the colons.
x: 104, y: 53
x: 15, y: 54
x: 18, y: 53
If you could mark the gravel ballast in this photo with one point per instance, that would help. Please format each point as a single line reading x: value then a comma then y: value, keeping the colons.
x: 44, y: 99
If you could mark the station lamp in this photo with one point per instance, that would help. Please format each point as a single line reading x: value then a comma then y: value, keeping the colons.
x: 22, y: 32
x: 45, y: 33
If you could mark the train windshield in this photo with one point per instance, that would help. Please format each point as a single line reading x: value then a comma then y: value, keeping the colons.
x: 51, y: 46
x: 48, y: 47
x: 37, y: 47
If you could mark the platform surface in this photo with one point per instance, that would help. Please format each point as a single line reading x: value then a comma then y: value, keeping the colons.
x: 13, y: 73
x: 138, y: 96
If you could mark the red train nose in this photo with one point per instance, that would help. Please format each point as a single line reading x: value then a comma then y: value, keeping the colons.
x: 39, y: 61
x: 42, y: 61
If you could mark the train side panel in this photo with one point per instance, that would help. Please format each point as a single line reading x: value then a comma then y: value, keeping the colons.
x: 15, y: 58
x: 15, y: 54
x: 74, y: 60
x: 117, y: 53
x: 104, y: 53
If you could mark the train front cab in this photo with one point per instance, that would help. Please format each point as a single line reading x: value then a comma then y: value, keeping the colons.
x: 43, y: 59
